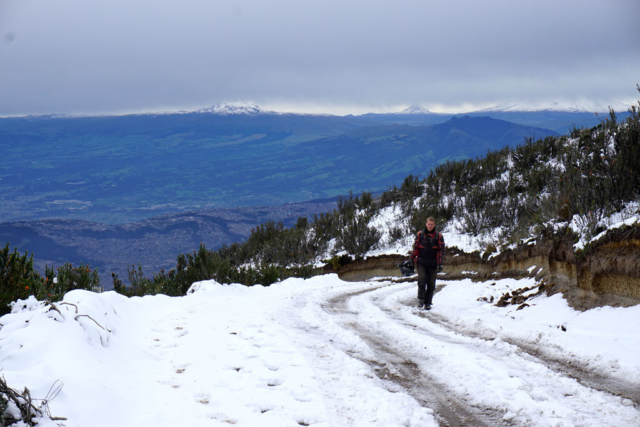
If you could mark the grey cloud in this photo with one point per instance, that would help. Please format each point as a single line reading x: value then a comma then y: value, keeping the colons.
x: 104, y: 56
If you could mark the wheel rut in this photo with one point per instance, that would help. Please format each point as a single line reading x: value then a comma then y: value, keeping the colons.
x: 390, y: 365
x: 452, y: 409
x: 571, y: 369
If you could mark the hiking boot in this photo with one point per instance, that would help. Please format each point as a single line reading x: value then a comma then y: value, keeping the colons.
x: 427, y: 306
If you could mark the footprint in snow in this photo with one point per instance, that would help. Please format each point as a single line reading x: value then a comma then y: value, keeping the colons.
x: 274, y: 382
x: 172, y: 383
x: 181, y: 368
x: 223, y: 417
x: 203, y: 398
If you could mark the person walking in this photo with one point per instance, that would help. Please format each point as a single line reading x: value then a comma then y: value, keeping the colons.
x: 427, y: 255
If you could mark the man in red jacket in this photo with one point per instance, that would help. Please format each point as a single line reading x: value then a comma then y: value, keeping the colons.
x: 427, y: 255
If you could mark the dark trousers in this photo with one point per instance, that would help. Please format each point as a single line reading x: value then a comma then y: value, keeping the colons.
x: 426, y: 278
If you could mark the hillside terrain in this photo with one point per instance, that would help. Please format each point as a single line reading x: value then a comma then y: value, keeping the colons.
x: 537, y: 236
x: 124, y: 169
x: 96, y: 185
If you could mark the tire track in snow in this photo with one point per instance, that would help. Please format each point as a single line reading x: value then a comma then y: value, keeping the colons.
x: 394, y: 366
x: 523, y: 359
x: 571, y: 369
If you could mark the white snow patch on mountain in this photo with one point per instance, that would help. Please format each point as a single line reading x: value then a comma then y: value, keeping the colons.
x: 229, y: 108
x: 415, y: 109
x: 558, y: 106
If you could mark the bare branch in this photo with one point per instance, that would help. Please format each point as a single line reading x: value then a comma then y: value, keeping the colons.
x: 68, y: 303
x: 23, y: 401
x: 86, y: 315
x: 53, y: 307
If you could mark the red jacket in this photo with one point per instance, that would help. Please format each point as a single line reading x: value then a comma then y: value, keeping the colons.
x: 428, y: 248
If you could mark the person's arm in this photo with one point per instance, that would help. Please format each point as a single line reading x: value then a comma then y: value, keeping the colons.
x: 416, y: 249
x: 440, y: 255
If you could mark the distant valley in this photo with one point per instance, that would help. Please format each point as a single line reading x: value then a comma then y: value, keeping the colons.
x: 124, y: 169
x: 153, y: 243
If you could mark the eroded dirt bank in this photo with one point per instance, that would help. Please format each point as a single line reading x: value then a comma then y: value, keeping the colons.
x: 605, y: 273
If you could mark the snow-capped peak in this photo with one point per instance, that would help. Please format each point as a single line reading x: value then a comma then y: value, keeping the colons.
x: 559, y: 106
x: 227, y: 108
x: 415, y: 109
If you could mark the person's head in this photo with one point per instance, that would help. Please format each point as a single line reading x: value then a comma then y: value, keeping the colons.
x: 431, y: 223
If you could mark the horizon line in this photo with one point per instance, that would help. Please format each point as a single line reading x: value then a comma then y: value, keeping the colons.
x: 357, y: 110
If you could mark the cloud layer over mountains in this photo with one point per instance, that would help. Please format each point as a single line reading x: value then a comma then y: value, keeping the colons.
x: 113, y: 56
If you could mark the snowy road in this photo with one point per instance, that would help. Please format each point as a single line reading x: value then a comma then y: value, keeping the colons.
x: 395, y: 362
x: 467, y: 376
x: 323, y: 352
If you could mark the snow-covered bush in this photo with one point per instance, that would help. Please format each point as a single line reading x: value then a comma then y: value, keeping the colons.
x: 357, y: 237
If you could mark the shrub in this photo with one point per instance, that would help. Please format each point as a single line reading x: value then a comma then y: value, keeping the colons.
x: 18, y: 278
x: 70, y: 278
x: 365, y: 201
x: 396, y: 233
x: 357, y: 237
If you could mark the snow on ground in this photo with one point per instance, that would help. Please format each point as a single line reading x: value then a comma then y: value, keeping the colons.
x: 393, y: 217
x: 628, y: 216
x: 311, y: 352
x: 387, y: 219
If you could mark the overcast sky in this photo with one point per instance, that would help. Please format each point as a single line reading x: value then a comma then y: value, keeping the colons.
x: 345, y: 56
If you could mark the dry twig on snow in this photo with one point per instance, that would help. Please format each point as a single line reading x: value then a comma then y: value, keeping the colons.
x: 86, y: 315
